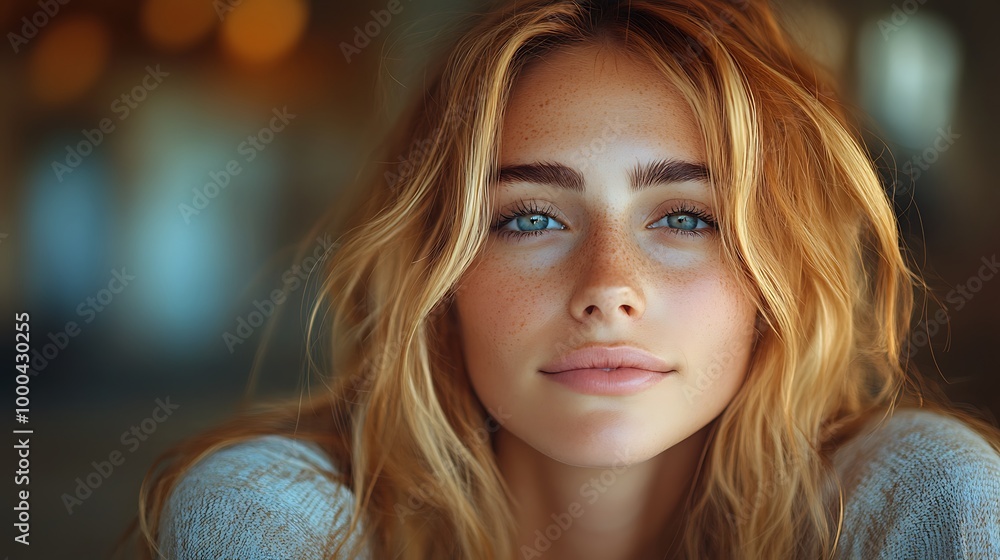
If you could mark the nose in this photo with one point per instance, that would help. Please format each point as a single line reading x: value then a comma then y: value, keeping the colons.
x: 608, y: 287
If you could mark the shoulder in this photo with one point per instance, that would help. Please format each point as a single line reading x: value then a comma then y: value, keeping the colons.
x: 919, y: 485
x: 267, y: 497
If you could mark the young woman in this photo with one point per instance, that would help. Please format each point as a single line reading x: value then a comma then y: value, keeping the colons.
x: 638, y: 294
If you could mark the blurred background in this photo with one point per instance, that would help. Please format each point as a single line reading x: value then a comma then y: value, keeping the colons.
x: 159, y: 159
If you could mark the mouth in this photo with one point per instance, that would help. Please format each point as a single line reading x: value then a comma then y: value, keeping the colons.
x: 608, y: 381
x: 607, y: 359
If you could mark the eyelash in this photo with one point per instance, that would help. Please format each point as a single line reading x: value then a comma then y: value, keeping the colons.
x: 531, y: 209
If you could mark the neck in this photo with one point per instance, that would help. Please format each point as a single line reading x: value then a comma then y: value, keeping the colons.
x: 627, y: 512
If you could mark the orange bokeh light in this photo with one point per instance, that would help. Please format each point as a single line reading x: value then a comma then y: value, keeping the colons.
x: 70, y: 56
x: 263, y: 31
x: 177, y: 24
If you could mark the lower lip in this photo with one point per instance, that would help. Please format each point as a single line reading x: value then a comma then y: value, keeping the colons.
x: 622, y: 381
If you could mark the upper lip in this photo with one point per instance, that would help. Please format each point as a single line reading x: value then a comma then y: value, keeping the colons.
x: 602, y: 357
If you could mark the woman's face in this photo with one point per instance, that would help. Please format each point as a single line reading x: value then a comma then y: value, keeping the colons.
x: 603, y: 255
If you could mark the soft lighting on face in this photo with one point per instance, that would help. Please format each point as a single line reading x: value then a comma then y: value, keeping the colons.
x: 261, y: 31
x: 177, y: 24
x: 68, y: 59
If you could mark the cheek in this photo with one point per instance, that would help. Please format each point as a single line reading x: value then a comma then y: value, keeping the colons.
x: 497, y: 308
x: 696, y: 289
x: 718, y: 338
x: 489, y: 342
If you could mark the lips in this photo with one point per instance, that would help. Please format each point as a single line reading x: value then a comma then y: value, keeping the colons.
x: 607, y: 358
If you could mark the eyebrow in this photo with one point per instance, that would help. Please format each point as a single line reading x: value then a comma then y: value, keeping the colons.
x: 641, y: 176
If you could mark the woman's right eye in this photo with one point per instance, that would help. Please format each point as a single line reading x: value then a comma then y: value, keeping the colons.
x: 530, y: 224
x: 528, y: 219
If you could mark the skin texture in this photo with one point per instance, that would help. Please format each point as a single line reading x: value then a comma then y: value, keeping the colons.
x: 599, y: 275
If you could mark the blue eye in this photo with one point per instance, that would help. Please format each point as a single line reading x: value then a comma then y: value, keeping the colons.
x: 534, y: 222
x: 686, y: 220
x: 532, y: 219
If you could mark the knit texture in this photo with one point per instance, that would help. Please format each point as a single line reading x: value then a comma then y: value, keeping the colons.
x: 260, y: 499
x: 920, y: 485
x: 917, y: 485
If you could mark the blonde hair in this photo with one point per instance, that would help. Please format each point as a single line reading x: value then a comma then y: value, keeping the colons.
x: 803, y: 219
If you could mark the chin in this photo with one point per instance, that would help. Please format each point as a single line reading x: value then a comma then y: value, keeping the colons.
x: 603, y: 452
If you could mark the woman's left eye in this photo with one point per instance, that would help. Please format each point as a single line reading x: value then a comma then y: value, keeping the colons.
x: 686, y: 220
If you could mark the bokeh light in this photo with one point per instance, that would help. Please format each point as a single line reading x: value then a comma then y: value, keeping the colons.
x: 910, y: 82
x: 68, y: 59
x: 70, y: 226
x: 262, y: 31
x: 177, y: 24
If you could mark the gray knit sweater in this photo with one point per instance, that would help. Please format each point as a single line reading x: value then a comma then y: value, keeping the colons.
x: 917, y: 485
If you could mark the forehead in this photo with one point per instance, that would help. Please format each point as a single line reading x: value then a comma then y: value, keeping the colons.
x: 594, y: 95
